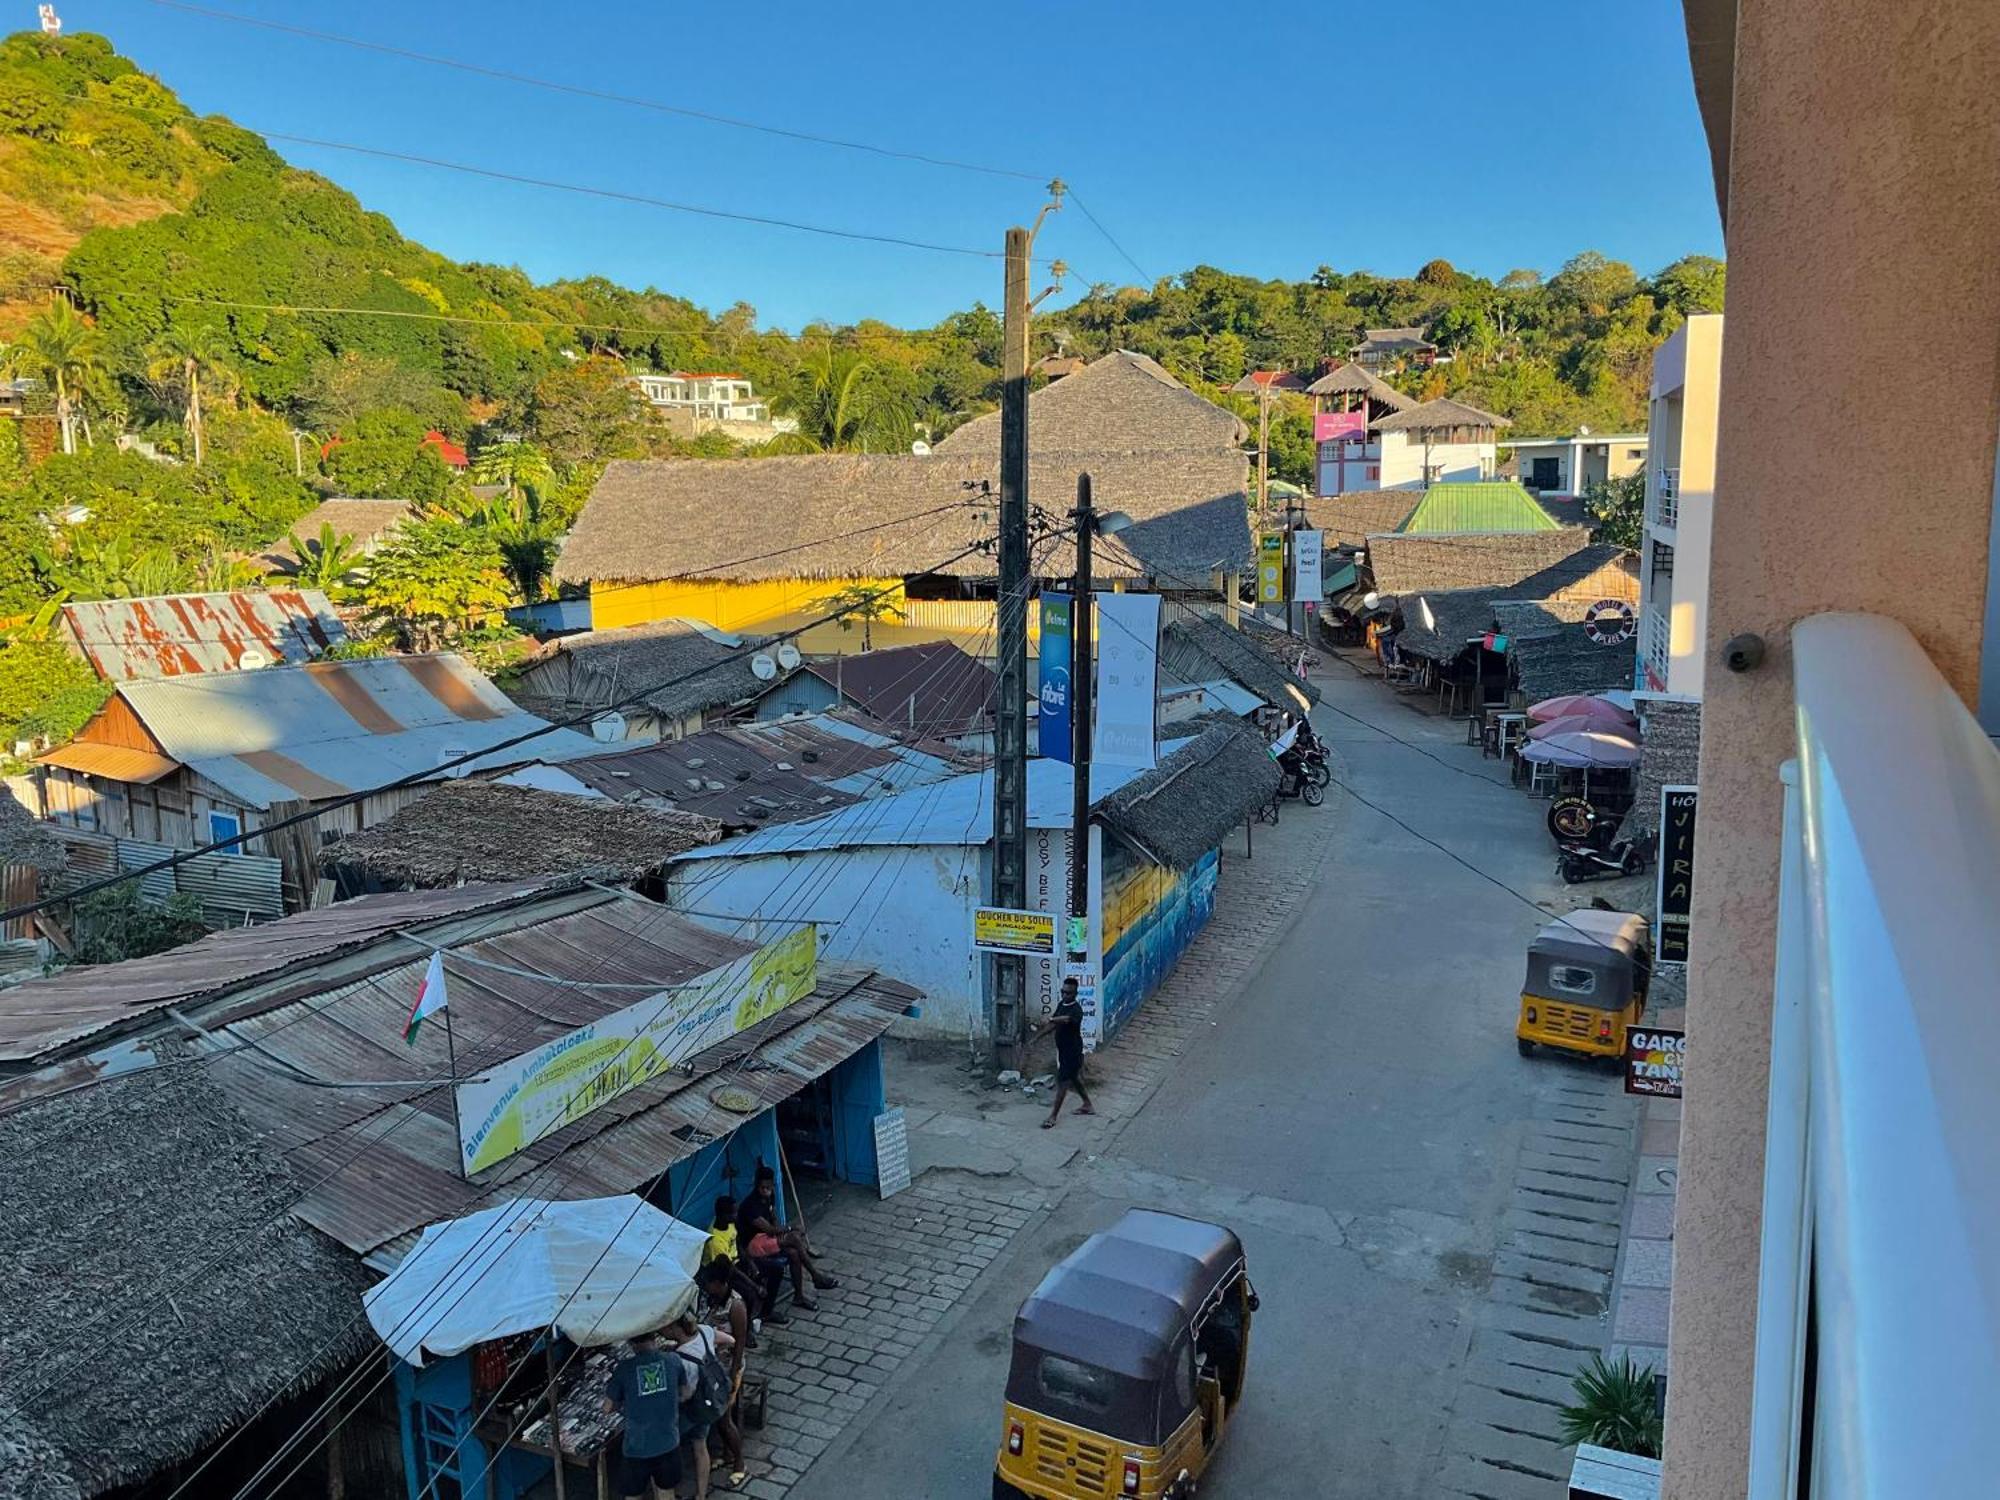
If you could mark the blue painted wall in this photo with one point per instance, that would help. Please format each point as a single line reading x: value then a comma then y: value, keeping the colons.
x: 801, y: 693
x: 1142, y: 955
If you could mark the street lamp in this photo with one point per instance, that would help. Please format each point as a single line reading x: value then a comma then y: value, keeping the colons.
x: 1090, y: 524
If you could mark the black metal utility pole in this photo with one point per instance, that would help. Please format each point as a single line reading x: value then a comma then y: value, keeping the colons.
x: 1082, y: 707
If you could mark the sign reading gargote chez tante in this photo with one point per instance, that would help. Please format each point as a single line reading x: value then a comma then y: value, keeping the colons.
x: 511, y: 1106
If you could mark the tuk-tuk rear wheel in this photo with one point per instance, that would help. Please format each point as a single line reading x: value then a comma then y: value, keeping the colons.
x: 1525, y: 1047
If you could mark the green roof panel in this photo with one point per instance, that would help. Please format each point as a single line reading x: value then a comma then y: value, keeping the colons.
x: 1486, y: 505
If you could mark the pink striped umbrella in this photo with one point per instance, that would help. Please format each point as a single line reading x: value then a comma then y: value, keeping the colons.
x: 1601, y: 713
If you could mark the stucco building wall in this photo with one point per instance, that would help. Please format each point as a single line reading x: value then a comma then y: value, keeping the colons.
x: 1863, y: 211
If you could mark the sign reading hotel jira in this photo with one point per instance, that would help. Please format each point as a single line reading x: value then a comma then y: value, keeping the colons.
x: 1653, y: 1060
x: 1676, y: 892
x: 1004, y: 929
x: 511, y: 1106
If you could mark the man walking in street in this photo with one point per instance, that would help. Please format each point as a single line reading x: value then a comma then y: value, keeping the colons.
x: 1067, y: 1023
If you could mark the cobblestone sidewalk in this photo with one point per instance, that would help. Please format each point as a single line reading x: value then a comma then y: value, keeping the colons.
x: 903, y: 1264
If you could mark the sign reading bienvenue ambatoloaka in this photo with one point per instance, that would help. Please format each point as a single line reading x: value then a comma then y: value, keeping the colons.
x: 509, y: 1107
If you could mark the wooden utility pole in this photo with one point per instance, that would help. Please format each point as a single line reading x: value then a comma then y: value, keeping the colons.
x: 1010, y: 721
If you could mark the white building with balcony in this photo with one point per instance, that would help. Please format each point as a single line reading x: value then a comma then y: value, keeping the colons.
x: 698, y: 401
x: 1680, y: 498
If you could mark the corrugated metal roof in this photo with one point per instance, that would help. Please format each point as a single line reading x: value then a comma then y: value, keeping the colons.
x: 113, y: 762
x: 1485, y: 505
x: 952, y: 813
x: 756, y: 775
x: 932, y: 687
x: 178, y: 635
x: 45, y: 1016
x: 322, y: 730
x: 383, y: 1160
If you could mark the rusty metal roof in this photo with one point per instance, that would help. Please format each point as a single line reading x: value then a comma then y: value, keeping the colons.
x: 382, y: 1159
x: 755, y: 775
x: 113, y: 762
x: 180, y: 635
x: 332, y: 727
x: 46, y: 1017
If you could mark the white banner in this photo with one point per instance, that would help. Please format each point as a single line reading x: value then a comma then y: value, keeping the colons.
x: 511, y: 1106
x: 1125, y: 715
x: 1307, y: 582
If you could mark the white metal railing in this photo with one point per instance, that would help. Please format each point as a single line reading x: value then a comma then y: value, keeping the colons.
x: 1667, y: 497
x: 1659, y: 642
x: 1882, y: 1156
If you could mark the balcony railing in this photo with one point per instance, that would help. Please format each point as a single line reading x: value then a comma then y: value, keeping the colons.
x: 1667, y: 497
x: 1878, y: 1337
x: 1659, y: 638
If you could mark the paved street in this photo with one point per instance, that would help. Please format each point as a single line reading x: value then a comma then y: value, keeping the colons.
x: 1431, y: 1220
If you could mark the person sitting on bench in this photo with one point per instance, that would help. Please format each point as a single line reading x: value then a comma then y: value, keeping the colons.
x: 769, y: 1246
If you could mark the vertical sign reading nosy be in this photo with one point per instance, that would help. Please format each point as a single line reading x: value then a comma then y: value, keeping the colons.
x: 1125, y: 713
x: 1307, y: 580
x: 1676, y: 892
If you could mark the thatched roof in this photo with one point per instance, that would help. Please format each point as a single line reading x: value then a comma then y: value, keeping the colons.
x: 1459, y: 616
x: 365, y: 524
x: 464, y: 832
x: 576, y: 673
x: 1526, y: 605
x: 678, y: 518
x: 1349, y: 519
x: 1552, y: 652
x: 1350, y: 377
x: 1439, y: 414
x: 1267, y: 380
x: 1122, y: 403
x: 1196, y: 649
x: 1411, y: 563
x: 157, y: 1291
x: 1394, y: 340
x: 1671, y: 756
x: 24, y: 840
x: 1188, y: 803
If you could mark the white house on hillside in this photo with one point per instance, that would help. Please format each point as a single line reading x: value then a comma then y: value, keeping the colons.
x: 1571, y: 465
x: 1438, y: 442
x: 704, y: 401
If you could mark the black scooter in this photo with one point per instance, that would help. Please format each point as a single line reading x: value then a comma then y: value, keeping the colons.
x: 1576, y: 863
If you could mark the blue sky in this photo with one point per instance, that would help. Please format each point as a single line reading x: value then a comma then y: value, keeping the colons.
x: 1265, y: 140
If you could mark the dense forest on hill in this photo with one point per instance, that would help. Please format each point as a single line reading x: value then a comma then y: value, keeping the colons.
x: 168, y: 281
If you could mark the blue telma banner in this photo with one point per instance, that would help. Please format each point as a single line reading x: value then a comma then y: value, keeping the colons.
x: 1056, y: 738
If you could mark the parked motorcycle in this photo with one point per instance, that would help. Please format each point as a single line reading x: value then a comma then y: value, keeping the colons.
x: 1576, y: 863
x: 1316, y: 761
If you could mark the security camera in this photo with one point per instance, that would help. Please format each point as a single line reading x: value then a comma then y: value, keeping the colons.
x: 1743, y: 653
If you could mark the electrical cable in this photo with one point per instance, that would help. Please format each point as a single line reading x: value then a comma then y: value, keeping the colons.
x: 581, y: 91
x: 1084, y: 209
x: 414, y: 778
x: 827, y: 877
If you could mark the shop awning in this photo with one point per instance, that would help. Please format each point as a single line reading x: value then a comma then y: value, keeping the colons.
x: 112, y: 762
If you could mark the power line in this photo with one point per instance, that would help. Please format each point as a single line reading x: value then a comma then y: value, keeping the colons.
x: 606, y: 96
x: 348, y: 799
x: 1096, y: 224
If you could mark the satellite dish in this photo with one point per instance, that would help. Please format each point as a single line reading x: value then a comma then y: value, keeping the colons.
x: 608, y: 728
x: 921, y: 448
x: 250, y: 661
x: 762, y: 667
x: 788, y: 656
x: 1371, y: 600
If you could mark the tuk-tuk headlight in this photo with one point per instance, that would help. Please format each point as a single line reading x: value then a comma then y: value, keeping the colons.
x: 1015, y: 1438
x: 1531, y: 1015
x: 1131, y: 1476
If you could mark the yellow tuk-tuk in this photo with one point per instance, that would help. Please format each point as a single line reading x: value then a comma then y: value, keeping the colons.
x: 1128, y: 1363
x: 1588, y: 974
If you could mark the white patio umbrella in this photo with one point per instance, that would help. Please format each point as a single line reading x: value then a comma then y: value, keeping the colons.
x: 1584, y: 750
x: 596, y: 1270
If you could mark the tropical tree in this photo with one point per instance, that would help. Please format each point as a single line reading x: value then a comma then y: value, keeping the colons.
x: 434, y: 580
x: 522, y: 467
x: 219, y: 571
x: 328, y: 562
x: 184, y: 353
x: 1618, y: 506
x: 863, y: 604
x: 844, y: 404
x: 60, y: 348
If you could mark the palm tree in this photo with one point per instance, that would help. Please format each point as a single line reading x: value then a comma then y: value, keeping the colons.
x: 185, y: 352
x: 522, y: 467
x: 328, y: 563
x: 527, y: 545
x: 61, y: 348
x: 844, y: 406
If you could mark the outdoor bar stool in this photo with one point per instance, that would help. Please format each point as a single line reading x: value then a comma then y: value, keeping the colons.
x: 1543, y: 778
x: 1513, y: 732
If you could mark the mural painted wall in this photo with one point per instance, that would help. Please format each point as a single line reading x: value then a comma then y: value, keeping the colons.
x: 1150, y: 915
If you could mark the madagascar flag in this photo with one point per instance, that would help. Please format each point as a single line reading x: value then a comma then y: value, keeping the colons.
x: 430, y: 999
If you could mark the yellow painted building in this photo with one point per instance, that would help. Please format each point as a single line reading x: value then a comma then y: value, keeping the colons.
x: 772, y: 605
